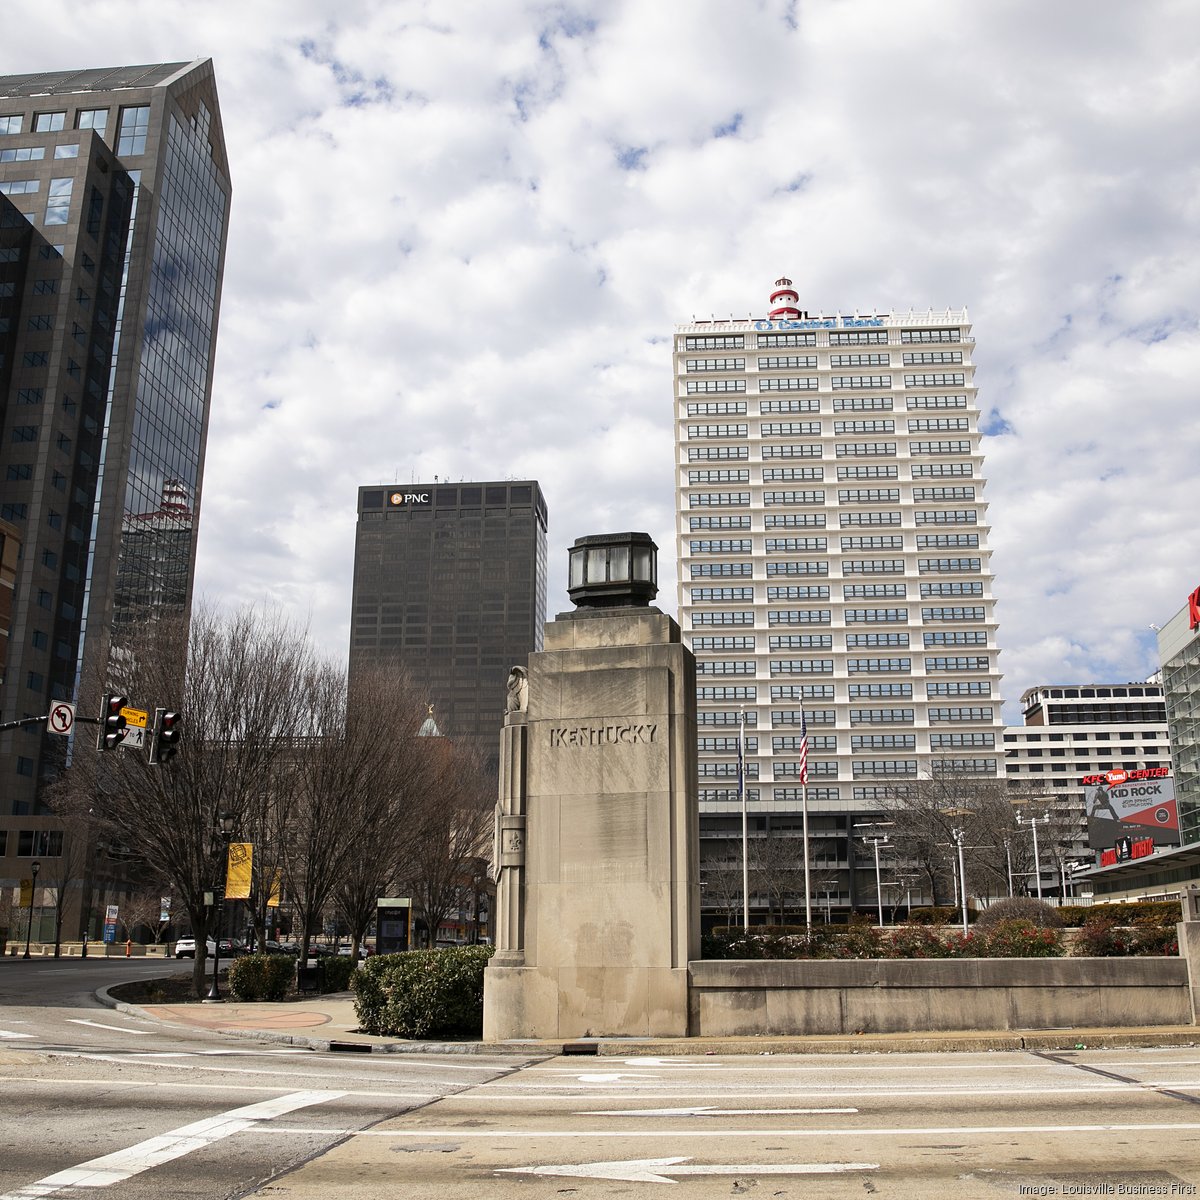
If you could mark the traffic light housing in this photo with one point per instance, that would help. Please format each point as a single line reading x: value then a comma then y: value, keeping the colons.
x: 164, y: 738
x: 112, y: 723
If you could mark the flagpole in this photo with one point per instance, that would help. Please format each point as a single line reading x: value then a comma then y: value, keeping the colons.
x: 742, y: 798
x: 804, y: 811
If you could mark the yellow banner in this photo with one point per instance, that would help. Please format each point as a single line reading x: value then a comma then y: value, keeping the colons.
x: 26, y: 900
x: 237, y: 872
x: 276, y: 889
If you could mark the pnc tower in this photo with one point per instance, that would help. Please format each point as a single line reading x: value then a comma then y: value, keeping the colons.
x: 114, y: 210
x: 834, y: 572
x: 450, y: 588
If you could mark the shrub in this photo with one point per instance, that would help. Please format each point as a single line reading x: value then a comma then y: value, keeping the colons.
x: 1155, y: 939
x: 261, y: 977
x: 422, y: 993
x: 920, y: 941
x: 939, y: 914
x: 1134, y: 912
x: 335, y: 972
x: 1102, y: 937
x: 1015, y: 939
x: 859, y: 940
x: 1020, y: 908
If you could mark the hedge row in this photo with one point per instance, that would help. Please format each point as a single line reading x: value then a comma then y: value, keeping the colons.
x: 422, y: 993
x: 273, y: 976
x: 1005, y: 939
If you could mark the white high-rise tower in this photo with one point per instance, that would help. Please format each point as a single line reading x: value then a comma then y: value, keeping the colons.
x: 833, y: 560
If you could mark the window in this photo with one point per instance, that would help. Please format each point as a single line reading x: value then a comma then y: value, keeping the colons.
x: 858, y: 616
x: 786, y: 474
x: 936, y: 402
x: 794, y: 521
x: 877, y: 542
x: 867, y: 641
x: 920, y: 358
x: 882, y: 716
x: 916, y: 336
x: 859, y: 666
x: 741, y: 522
x: 957, y: 637
x: 801, y: 450
x: 715, y: 364
x: 19, y: 187
x: 876, y: 471
x: 722, y: 643
x: 707, y: 431
x: 802, y: 691
x: 30, y: 395
x: 873, y: 566
x: 960, y: 688
x: 883, y: 741
x: 715, y: 343
x: 862, y: 337
x: 877, y: 591
x: 790, y: 428
x: 973, y: 613
x: 869, y: 496
x: 947, y: 541
x: 716, y: 408
x: 799, y: 591
x: 58, y: 202
x: 860, y: 360
x: 865, y: 449
x: 862, y: 403
x: 856, y: 382
x: 25, y: 433
x: 41, y: 322
x: 880, y: 691
x: 49, y: 122
x: 696, y: 386
x: 950, y: 379
x: 14, y: 512
x: 943, y: 493
x: 800, y: 641
x: 67, y: 150
x: 722, y: 593
x: 795, y: 404
x: 795, y: 545
x: 92, y: 118
x: 799, y: 616
x: 792, y: 384
x: 927, y: 565
x: 20, y: 471
x: 717, y: 453
x: 786, y: 339
x: 803, y: 497
x: 934, y: 470
x: 720, y: 476
x: 801, y: 666
x: 702, y: 570
x: 10, y: 124
x: 135, y: 124
x: 775, y: 569
x: 878, y: 426
x: 745, y: 617
x: 869, y: 518
x: 791, y: 362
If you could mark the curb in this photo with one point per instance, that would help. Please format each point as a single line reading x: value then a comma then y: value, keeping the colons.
x: 955, y: 1043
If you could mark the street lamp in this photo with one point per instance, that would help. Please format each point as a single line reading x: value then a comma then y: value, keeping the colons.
x: 959, y: 838
x: 1033, y: 823
x: 826, y: 887
x: 34, y: 868
x: 224, y: 831
x: 875, y: 841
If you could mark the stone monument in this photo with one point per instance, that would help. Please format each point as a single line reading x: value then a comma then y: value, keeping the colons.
x: 596, y: 842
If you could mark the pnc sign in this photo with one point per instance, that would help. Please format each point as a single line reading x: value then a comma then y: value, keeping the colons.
x: 409, y: 499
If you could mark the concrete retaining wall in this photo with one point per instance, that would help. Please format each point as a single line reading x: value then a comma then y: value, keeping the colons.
x: 728, y: 998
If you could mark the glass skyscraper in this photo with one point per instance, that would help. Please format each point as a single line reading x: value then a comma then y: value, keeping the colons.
x: 114, y: 213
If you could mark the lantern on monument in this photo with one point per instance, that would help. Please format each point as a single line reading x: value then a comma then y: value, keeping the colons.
x: 612, y: 570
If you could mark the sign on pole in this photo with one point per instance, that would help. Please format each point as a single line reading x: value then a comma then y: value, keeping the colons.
x: 135, y: 716
x: 61, y: 719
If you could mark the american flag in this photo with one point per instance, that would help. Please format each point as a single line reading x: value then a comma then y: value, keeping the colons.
x: 803, y: 747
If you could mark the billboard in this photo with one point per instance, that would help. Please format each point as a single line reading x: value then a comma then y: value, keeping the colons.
x: 1131, y: 804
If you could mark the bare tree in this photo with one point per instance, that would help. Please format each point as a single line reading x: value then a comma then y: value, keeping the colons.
x: 721, y: 879
x: 449, y: 828
x: 777, y: 867
x: 239, y: 682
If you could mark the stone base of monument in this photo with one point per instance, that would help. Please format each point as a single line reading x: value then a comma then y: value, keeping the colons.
x: 597, y: 844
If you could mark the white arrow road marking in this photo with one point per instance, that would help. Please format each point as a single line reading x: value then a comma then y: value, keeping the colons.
x: 117, y: 1167
x: 656, y: 1170
x: 9, y: 1035
x: 669, y: 1062
x: 615, y: 1077
x: 709, y: 1111
x: 114, y: 1028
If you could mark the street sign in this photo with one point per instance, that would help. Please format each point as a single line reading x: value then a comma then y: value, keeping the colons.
x: 135, y: 716
x: 134, y: 739
x: 61, y: 718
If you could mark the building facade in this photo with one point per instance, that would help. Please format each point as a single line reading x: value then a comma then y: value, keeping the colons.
x: 114, y: 211
x: 833, y: 569
x: 450, y: 586
x: 1179, y: 653
x: 1074, y: 737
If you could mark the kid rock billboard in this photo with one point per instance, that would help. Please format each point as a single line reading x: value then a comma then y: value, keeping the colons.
x: 1131, y: 804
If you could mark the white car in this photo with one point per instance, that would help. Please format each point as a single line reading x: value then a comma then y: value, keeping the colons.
x: 185, y: 947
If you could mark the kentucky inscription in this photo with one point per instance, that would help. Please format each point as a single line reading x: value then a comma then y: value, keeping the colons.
x: 603, y: 735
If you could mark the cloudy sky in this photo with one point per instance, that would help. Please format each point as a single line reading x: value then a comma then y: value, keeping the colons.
x: 462, y: 234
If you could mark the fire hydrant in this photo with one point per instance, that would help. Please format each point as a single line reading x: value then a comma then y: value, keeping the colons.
x: 128, y: 947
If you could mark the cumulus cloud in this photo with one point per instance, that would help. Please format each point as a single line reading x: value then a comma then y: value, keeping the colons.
x: 462, y: 234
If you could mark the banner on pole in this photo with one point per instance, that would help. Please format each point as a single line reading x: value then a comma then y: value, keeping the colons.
x: 276, y: 889
x: 237, y: 872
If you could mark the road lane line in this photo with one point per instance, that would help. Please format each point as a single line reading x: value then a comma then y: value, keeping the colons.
x: 9, y: 1035
x: 113, y: 1028
x: 123, y: 1164
x: 658, y: 1170
x: 460, y: 1134
x: 703, y: 1111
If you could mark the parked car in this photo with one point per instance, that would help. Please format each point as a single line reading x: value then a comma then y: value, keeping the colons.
x: 344, y: 951
x: 185, y: 947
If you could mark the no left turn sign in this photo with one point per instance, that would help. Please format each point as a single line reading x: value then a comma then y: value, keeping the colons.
x: 61, y: 718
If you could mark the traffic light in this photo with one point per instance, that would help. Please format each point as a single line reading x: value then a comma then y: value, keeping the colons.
x: 112, y: 723
x: 164, y: 738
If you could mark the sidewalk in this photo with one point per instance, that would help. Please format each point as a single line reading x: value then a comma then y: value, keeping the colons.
x: 329, y: 1023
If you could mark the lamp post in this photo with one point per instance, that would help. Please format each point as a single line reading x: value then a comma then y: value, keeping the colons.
x: 224, y: 832
x: 1033, y: 823
x: 875, y: 841
x: 1008, y: 860
x: 34, y: 868
x: 826, y: 887
x: 959, y: 838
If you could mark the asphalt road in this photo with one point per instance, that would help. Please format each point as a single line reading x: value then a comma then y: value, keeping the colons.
x: 102, y: 1103
x: 99, y: 1103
